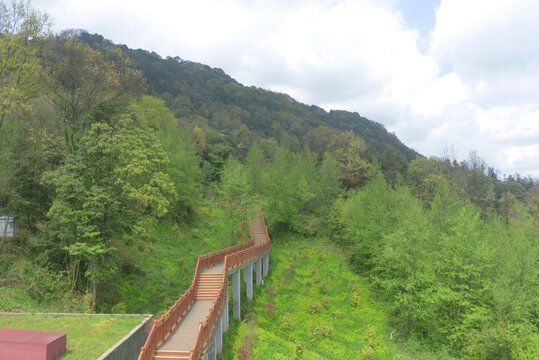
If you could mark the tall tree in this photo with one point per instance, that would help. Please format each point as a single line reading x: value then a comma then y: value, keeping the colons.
x: 23, y: 34
x: 255, y: 166
x: 87, y: 78
x: 112, y: 187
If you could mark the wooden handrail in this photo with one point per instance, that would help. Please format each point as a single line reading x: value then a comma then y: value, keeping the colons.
x: 230, y: 262
x: 232, y: 257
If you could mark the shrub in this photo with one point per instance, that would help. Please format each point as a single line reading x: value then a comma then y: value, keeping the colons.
x: 315, y: 307
x: 270, y: 310
x: 323, y: 286
x: 270, y: 291
x: 356, y: 299
x: 367, y: 352
x: 299, y: 351
x: 322, y: 330
x: 325, y: 302
x: 287, y: 323
x: 315, y: 275
x: 245, y: 352
x: 326, y: 330
x: 371, y: 336
x: 251, y: 317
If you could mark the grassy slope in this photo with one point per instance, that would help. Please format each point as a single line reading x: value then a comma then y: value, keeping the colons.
x: 310, y: 306
x: 164, y: 268
x: 105, y: 330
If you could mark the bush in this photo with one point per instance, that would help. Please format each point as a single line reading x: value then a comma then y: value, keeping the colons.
x: 315, y: 275
x: 299, y: 351
x: 320, y: 331
x: 325, y: 303
x: 270, y: 291
x: 315, y: 307
x: 323, y: 286
x: 245, y: 351
x: 270, y: 310
x: 356, y: 299
x: 287, y: 324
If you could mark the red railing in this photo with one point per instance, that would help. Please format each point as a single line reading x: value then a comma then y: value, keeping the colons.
x: 232, y: 260
x: 162, y: 328
x: 232, y: 256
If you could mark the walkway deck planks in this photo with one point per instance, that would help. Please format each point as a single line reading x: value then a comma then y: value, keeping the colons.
x: 180, y: 342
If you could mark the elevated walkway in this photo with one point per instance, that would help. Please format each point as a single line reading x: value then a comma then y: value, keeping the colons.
x: 193, y: 327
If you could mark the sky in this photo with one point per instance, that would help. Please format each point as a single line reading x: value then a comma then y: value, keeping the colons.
x: 446, y: 76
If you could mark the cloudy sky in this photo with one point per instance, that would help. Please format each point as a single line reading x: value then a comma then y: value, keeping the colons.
x: 441, y: 74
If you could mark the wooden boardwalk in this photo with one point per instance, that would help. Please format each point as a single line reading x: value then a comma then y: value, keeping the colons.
x: 183, y: 337
x: 181, y: 341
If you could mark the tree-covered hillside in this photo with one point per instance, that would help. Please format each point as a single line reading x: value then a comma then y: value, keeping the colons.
x: 191, y: 89
x: 121, y: 167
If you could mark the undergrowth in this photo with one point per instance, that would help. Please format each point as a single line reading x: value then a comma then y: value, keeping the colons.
x: 312, y: 306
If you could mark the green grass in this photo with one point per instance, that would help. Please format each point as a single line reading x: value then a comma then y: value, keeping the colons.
x: 312, y: 301
x: 88, y: 337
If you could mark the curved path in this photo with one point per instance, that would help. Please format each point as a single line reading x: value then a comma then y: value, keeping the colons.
x: 193, y: 327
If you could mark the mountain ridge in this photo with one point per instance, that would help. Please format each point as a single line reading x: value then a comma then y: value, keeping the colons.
x: 195, y: 89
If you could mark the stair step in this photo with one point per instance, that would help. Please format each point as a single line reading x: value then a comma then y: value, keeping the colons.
x: 170, y: 355
x: 172, y: 352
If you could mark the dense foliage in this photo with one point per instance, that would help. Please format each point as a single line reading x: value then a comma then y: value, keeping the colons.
x: 116, y: 192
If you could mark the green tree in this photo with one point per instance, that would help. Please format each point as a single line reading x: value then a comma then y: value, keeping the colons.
x: 255, y: 169
x: 86, y: 78
x: 282, y: 189
x: 112, y: 187
x: 233, y: 188
x: 184, y: 165
x: 329, y: 184
x: 368, y: 217
x: 23, y: 34
x: 348, y: 150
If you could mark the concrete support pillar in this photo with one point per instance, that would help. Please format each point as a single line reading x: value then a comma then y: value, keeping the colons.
x: 225, y: 312
x: 211, y: 354
x: 266, y: 265
x: 219, y: 337
x: 236, y: 294
x: 249, y: 280
x: 258, y: 267
x: 224, y: 326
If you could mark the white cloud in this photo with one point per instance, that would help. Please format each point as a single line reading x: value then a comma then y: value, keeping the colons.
x: 476, y: 87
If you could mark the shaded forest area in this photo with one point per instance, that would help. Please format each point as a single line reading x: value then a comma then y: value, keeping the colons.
x: 121, y: 167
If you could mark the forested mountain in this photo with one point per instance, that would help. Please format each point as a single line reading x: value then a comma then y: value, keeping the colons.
x: 191, y: 89
x: 121, y: 167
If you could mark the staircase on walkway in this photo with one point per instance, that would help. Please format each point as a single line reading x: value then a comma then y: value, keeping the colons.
x: 192, y: 328
x: 208, y: 286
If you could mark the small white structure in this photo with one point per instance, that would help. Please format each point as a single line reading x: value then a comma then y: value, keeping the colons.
x: 7, y: 226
